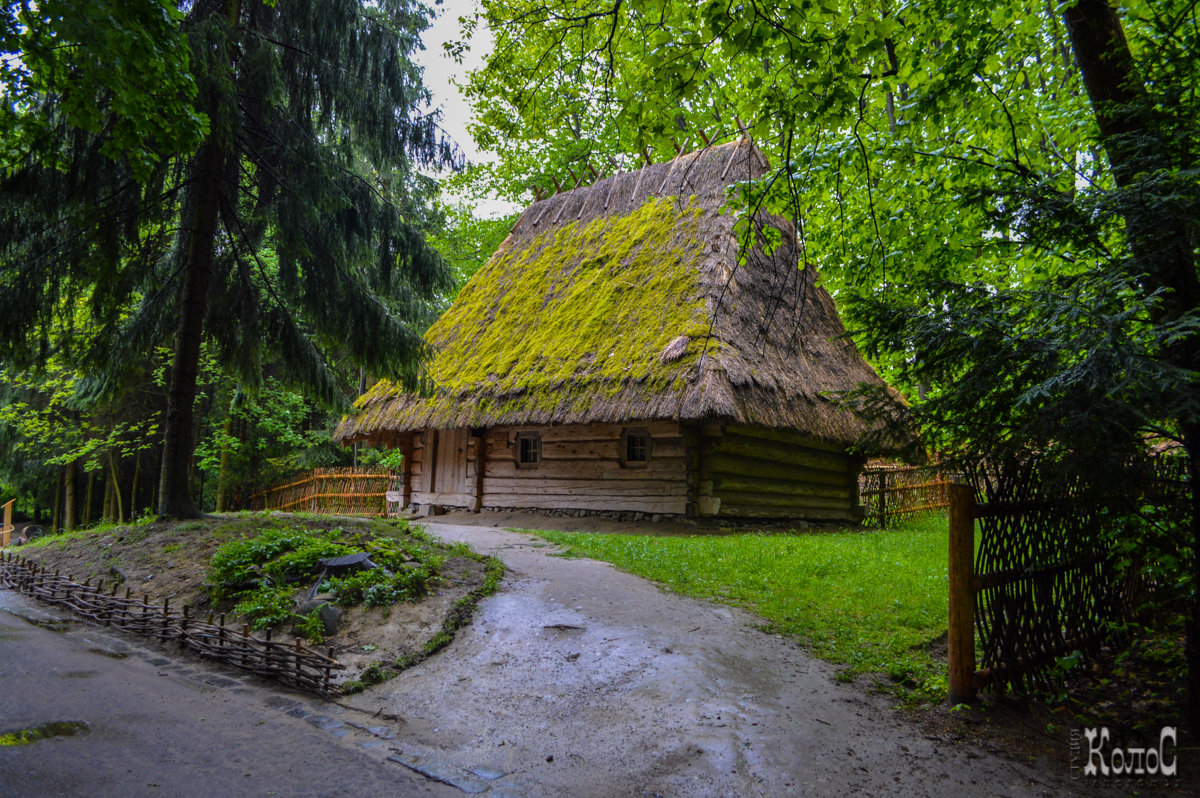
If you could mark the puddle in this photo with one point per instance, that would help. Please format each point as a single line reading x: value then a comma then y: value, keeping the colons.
x: 106, y: 653
x: 64, y: 728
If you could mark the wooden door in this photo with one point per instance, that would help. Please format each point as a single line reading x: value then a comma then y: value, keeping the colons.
x: 450, y: 474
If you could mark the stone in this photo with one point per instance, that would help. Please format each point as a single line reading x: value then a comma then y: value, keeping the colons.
x: 347, y: 564
x: 330, y: 615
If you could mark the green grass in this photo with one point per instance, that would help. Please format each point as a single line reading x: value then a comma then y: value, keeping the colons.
x: 869, y: 600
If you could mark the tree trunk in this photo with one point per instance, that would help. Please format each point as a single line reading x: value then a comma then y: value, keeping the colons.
x: 106, y: 505
x: 133, y: 490
x: 116, y: 482
x: 69, y: 497
x: 174, y: 494
x: 202, y: 210
x: 1162, y: 244
x: 88, y: 498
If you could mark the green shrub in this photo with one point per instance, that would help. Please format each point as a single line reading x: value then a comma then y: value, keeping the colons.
x: 264, y: 573
x: 238, y: 563
x: 380, y: 587
x: 303, y: 560
x: 266, y: 606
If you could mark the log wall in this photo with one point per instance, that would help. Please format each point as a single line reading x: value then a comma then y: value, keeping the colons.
x: 762, y: 473
x: 581, y: 469
x: 694, y: 470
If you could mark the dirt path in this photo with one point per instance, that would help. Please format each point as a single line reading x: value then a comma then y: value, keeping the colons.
x: 579, y: 679
x: 123, y: 719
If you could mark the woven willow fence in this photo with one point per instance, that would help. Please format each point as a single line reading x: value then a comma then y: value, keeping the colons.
x: 890, y: 493
x: 292, y: 664
x: 1041, y: 584
x: 332, y: 491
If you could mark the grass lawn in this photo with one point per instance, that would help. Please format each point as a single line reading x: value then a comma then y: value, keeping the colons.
x: 869, y: 600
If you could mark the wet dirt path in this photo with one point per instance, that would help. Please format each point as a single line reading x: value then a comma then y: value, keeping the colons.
x: 579, y: 679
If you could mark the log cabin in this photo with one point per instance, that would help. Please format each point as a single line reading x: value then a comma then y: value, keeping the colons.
x: 638, y: 346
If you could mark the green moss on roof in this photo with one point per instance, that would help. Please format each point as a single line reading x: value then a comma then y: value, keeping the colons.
x: 584, y: 303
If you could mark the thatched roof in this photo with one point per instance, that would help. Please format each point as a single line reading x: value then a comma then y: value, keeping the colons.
x: 625, y: 300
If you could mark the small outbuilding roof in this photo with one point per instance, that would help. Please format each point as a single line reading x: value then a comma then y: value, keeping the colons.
x: 627, y: 300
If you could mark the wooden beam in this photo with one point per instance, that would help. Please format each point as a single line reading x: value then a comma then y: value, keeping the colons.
x: 960, y: 638
x: 771, y: 451
x: 787, y: 437
x: 737, y: 465
x: 480, y: 442
x: 795, y: 502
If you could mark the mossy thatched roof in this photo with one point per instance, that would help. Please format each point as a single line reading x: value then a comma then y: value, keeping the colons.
x: 625, y: 301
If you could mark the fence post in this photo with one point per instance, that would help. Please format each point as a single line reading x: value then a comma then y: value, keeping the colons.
x: 960, y: 639
x: 7, y: 528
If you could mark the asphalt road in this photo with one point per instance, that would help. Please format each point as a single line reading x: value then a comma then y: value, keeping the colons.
x: 149, y: 722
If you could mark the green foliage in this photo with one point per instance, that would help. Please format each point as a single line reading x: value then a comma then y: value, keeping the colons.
x: 947, y: 171
x: 265, y: 573
x: 867, y: 600
x: 245, y: 174
x: 379, y: 587
x: 238, y: 563
x: 114, y: 67
x: 266, y: 606
x: 270, y: 435
x: 302, y: 560
x: 468, y: 241
x: 384, y: 457
x: 311, y: 627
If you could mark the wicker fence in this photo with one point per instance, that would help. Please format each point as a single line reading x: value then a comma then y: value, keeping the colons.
x: 890, y: 493
x: 1040, y: 585
x: 292, y: 664
x: 333, y: 491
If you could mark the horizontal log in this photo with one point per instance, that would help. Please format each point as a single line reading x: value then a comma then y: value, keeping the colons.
x: 777, y: 452
x: 593, y: 450
x: 737, y: 465
x: 744, y: 499
x: 785, y: 437
x: 656, y: 468
x: 740, y: 511
x: 581, y: 487
x: 724, y: 483
x: 624, y: 504
x: 447, y: 499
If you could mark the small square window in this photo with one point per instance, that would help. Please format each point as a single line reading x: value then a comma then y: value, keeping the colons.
x: 635, y: 447
x: 529, y: 449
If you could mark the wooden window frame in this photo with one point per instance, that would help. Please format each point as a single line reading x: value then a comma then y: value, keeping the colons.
x: 535, y: 438
x: 626, y: 434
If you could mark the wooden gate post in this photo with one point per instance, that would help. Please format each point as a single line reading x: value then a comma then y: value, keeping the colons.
x: 960, y: 640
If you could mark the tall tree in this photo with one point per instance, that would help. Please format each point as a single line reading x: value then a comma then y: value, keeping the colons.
x: 294, y: 225
x: 1004, y: 196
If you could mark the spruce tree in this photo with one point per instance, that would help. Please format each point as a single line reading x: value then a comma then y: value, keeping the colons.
x: 294, y: 227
